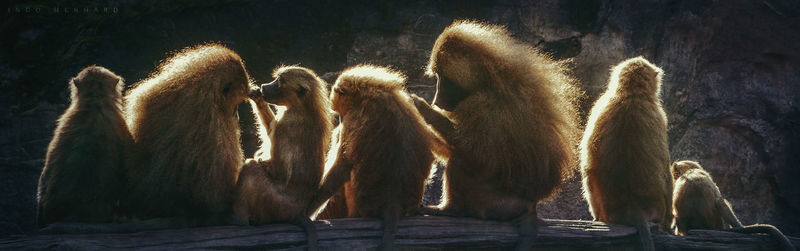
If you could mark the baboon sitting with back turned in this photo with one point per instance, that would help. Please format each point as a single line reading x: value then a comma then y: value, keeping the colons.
x: 279, y: 188
x: 624, y: 151
x: 83, y: 169
x: 385, y: 148
x: 698, y: 204
x: 510, y: 117
x: 187, y: 155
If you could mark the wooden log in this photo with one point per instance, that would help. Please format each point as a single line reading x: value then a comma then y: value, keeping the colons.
x: 419, y: 232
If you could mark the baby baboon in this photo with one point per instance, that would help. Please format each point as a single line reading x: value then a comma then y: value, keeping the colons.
x: 624, y: 154
x: 510, y: 117
x: 85, y: 160
x: 386, y: 150
x: 698, y: 204
x: 186, y: 155
x: 278, y: 189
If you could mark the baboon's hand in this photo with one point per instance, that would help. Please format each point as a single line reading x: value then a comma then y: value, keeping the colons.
x: 255, y: 93
x: 419, y: 102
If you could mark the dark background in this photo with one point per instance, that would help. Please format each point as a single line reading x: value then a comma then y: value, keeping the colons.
x: 730, y: 89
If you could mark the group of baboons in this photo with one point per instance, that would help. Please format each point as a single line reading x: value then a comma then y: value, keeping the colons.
x: 505, y: 121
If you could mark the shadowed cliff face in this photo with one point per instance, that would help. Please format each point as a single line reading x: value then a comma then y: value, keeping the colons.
x: 730, y: 87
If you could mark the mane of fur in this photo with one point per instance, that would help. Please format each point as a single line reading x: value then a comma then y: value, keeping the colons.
x: 522, y: 114
x: 187, y: 151
x: 385, y: 136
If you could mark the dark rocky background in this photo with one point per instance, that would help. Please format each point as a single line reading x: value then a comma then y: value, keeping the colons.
x: 730, y: 89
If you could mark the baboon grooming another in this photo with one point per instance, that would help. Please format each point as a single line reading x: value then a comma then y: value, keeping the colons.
x: 385, y: 149
x: 624, y: 151
x: 83, y: 169
x: 278, y: 189
x: 698, y: 204
x: 510, y: 117
x: 187, y: 155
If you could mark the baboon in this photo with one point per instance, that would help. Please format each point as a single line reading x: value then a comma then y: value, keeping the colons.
x: 184, y: 121
x: 385, y: 149
x: 278, y: 189
x: 698, y: 204
x: 83, y: 169
x: 624, y: 152
x: 510, y: 115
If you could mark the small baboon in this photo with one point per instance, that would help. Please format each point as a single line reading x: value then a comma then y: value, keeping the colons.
x: 184, y: 121
x: 82, y: 174
x: 385, y: 148
x: 698, y: 204
x: 278, y: 188
x: 624, y: 152
x: 511, y: 119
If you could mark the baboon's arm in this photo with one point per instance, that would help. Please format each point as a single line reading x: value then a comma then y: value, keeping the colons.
x: 337, y: 176
x: 439, y: 122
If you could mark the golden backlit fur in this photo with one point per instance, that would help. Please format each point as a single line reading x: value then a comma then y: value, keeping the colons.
x: 386, y: 150
x: 278, y: 188
x: 624, y: 150
x: 336, y: 206
x: 511, y: 119
x: 183, y: 118
x: 82, y: 175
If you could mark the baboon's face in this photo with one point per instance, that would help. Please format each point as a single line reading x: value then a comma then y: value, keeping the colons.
x: 339, y: 98
x: 288, y: 89
x: 448, y: 93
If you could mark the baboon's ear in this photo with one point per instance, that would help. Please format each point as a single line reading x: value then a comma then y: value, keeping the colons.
x: 302, y: 90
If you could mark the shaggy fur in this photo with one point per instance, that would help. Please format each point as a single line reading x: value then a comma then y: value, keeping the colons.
x: 386, y: 150
x: 278, y: 188
x: 511, y: 118
x: 624, y: 151
x: 82, y: 175
x: 183, y: 118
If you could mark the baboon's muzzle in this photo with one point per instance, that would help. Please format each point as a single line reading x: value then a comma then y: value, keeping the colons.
x: 270, y: 90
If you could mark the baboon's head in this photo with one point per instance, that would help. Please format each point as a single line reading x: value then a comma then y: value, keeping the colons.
x: 208, y: 73
x: 293, y: 86
x: 636, y: 76
x: 357, y: 85
x: 462, y: 59
x: 96, y: 82
x: 235, y: 89
x: 678, y: 168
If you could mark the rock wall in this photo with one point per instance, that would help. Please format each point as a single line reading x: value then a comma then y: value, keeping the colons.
x: 729, y: 90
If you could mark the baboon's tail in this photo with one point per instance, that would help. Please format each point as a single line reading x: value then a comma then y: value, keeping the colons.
x: 724, y: 207
x: 391, y: 217
x: 783, y: 242
x: 311, y: 231
x: 645, y: 238
x: 727, y: 213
